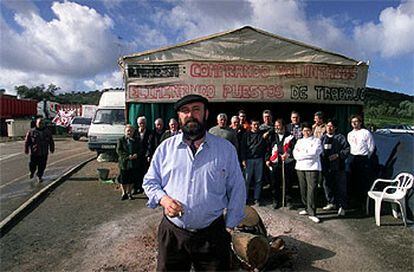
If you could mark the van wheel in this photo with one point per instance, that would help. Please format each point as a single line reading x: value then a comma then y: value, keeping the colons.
x: 76, y: 137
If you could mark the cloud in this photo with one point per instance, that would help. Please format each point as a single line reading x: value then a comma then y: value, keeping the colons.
x: 392, y: 36
x: 105, y: 81
x: 23, y: 7
x: 78, y: 43
x: 11, y: 78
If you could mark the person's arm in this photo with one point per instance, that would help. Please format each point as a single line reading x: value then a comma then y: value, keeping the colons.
x: 370, y: 143
x: 309, y: 151
x: 345, y: 148
x: 52, y: 143
x: 152, y: 183
x: 120, y: 150
x: 236, y: 192
x: 27, y: 142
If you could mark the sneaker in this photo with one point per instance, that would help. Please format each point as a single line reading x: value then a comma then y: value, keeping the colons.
x: 39, y: 179
x: 303, y: 212
x: 341, y: 212
x: 124, y: 197
x: 31, y: 175
x: 130, y: 197
x: 329, y: 207
x: 314, y: 218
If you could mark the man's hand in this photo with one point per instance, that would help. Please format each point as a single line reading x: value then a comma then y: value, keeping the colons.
x: 268, y: 163
x: 284, y: 156
x: 230, y: 230
x: 333, y: 157
x: 244, y: 164
x: 172, y: 207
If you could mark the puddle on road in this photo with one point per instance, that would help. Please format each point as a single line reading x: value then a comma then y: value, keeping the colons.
x: 16, y: 193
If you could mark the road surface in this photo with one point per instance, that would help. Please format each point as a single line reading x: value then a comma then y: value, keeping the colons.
x: 16, y: 186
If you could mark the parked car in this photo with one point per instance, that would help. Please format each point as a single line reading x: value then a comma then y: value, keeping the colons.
x: 79, y: 127
x: 401, y: 128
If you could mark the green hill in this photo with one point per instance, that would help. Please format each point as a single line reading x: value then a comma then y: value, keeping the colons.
x: 383, y: 107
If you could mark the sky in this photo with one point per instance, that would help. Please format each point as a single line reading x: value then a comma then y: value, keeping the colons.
x: 75, y: 45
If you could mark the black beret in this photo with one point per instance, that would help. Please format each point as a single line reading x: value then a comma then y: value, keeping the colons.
x: 191, y: 98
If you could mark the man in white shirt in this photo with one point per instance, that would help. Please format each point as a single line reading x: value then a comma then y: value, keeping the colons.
x: 362, y: 147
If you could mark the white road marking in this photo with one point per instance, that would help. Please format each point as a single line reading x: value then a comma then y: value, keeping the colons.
x: 8, y: 156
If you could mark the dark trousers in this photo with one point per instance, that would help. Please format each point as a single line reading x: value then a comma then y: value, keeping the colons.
x: 140, y: 173
x: 360, y: 179
x: 308, y: 183
x: 206, y: 250
x: 335, y: 187
x: 254, y: 171
x: 277, y: 180
x: 39, y: 163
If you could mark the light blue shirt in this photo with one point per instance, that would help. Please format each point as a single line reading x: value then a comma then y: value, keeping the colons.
x: 205, y: 184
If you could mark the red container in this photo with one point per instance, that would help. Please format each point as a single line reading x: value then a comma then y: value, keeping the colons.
x: 11, y: 107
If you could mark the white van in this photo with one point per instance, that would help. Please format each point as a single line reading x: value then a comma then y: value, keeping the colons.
x: 108, y: 123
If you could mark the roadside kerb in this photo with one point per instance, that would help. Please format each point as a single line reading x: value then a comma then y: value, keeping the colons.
x: 10, y: 221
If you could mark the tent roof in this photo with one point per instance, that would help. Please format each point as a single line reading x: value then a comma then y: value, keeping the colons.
x: 242, y: 44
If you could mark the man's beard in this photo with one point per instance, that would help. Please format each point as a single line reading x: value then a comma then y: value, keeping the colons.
x: 193, y: 129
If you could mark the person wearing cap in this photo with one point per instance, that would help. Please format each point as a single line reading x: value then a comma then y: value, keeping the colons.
x: 195, y: 177
x: 319, y: 127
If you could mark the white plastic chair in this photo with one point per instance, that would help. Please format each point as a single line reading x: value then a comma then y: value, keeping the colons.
x: 394, y: 192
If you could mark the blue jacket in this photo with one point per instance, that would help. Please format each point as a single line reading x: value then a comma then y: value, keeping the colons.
x: 334, y: 145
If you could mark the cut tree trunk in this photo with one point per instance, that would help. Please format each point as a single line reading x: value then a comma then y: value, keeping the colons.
x: 252, y: 249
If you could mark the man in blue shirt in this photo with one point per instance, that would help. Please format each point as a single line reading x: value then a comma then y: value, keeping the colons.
x: 195, y: 177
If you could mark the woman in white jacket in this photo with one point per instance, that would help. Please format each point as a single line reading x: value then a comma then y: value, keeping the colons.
x: 307, y: 153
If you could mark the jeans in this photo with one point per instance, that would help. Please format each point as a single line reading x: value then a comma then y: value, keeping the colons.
x: 254, y: 171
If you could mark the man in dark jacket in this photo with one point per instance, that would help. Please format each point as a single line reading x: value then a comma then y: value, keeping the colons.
x: 335, y: 150
x: 253, y: 151
x: 279, y: 158
x: 173, y: 125
x: 145, y: 140
x: 38, y: 142
x: 158, y: 132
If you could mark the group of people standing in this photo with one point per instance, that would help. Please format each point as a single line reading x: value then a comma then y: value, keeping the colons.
x: 312, y: 154
x: 135, y: 150
x: 202, y: 180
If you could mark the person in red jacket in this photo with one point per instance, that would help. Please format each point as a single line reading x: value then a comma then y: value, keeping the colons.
x: 38, y: 142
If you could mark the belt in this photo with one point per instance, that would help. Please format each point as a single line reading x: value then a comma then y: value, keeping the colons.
x: 215, y: 223
x: 361, y: 156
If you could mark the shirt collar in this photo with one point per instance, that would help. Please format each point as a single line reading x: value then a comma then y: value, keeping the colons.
x: 205, y: 143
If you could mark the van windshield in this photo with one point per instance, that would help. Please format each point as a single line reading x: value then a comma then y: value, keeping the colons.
x: 82, y: 121
x: 109, y: 116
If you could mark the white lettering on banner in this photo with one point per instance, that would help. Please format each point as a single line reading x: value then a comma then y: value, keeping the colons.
x: 229, y: 81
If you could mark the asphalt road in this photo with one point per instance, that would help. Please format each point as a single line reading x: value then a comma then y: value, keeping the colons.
x: 16, y: 186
